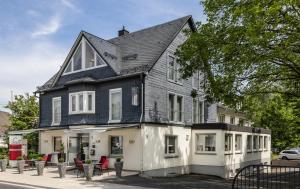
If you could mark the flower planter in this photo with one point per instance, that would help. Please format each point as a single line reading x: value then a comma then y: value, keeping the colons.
x: 88, y: 171
x: 119, y: 168
x: 62, y: 169
x: 20, y: 166
x: 40, y: 167
x: 3, y: 164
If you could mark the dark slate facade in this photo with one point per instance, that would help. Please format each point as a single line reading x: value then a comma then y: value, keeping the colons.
x: 130, y: 113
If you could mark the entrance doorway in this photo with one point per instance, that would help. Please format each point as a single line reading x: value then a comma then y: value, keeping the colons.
x: 78, y: 147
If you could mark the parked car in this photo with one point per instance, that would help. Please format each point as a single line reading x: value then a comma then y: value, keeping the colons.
x: 289, y: 154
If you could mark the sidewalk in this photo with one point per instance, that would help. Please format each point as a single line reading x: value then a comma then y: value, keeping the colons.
x: 51, y: 179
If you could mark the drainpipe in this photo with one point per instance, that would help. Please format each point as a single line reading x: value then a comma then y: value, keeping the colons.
x: 141, y: 120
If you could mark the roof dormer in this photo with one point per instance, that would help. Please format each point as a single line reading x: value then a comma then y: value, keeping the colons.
x: 84, y: 58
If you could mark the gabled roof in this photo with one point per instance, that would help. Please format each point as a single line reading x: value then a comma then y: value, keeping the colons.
x: 131, y: 53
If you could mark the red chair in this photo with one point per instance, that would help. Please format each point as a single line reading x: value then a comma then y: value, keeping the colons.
x: 104, y: 162
x: 78, y: 166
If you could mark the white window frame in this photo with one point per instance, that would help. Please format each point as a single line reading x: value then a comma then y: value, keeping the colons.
x: 197, y: 111
x: 251, y: 143
x: 110, y: 149
x: 235, y: 143
x: 266, y: 143
x: 111, y: 91
x: 260, y: 143
x: 134, y: 96
x: 175, y: 108
x: 232, y: 118
x: 221, y: 115
x: 197, y: 136
x: 231, y: 143
x: 83, y: 58
x: 56, y: 99
x: 167, y: 144
x: 177, y: 78
x: 85, y: 102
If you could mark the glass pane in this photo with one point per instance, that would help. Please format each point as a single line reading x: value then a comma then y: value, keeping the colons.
x: 89, y: 56
x: 73, y: 103
x: 77, y: 59
x: 69, y: 67
x: 57, y: 111
x: 57, y: 141
x: 210, y: 143
x: 179, y: 108
x: 171, y: 144
x: 200, y: 112
x: 195, y: 111
x: 134, y: 94
x: 171, y: 107
x: 80, y: 102
x: 116, y: 106
x: 116, y: 145
x: 90, y: 102
x: 100, y: 61
x: 171, y: 68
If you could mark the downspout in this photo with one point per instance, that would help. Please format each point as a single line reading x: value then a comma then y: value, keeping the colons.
x: 141, y: 120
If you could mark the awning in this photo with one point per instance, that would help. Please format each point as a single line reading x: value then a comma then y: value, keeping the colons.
x: 23, y: 132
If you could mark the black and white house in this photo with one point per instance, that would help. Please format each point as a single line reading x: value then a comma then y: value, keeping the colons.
x: 124, y: 97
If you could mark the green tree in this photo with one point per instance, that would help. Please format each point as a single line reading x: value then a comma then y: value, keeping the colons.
x: 249, y: 51
x: 25, y: 112
x: 245, y: 48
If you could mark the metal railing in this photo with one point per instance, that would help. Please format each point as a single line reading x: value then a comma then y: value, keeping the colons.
x: 267, y: 176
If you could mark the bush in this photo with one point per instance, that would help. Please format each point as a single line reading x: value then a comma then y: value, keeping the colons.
x: 40, y: 159
x: 61, y: 160
x: 20, y: 158
x: 88, y: 161
x: 118, y: 160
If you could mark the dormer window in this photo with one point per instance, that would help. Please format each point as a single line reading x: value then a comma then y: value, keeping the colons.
x: 85, y: 57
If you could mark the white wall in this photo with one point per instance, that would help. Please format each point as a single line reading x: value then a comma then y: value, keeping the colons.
x: 154, y: 156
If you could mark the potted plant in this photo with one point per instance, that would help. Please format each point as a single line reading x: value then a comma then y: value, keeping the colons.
x: 3, y: 162
x: 88, y: 169
x: 20, y: 164
x: 118, y: 167
x: 62, y: 152
x: 62, y: 167
x: 40, y: 164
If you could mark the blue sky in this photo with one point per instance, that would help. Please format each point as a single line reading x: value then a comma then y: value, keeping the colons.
x: 36, y: 35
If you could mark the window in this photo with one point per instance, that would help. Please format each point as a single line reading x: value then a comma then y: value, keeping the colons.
x: 265, y: 143
x: 56, y: 111
x: 135, y: 96
x: 116, y: 145
x: 255, y: 143
x: 238, y: 143
x: 196, y: 80
x: 82, y: 102
x: 260, y: 142
x: 232, y: 120
x: 205, y: 142
x: 85, y: 57
x: 241, y: 122
x: 170, y: 145
x: 222, y: 118
x: 115, y: 105
x: 249, y: 143
x: 175, y: 108
x: 197, y: 111
x: 228, y: 142
x: 57, y: 142
x: 173, y: 70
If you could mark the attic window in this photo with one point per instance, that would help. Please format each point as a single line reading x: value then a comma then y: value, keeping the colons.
x: 84, y: 58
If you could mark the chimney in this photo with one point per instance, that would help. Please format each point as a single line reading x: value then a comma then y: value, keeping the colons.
x: 123, y: 31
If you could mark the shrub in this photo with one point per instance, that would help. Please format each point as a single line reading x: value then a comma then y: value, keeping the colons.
x: 88, y: 161
x: 118, y: 160
x: 40, y: 159
x: 61, y: 160
x: 20, y: 158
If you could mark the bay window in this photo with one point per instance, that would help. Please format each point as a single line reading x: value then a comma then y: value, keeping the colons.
x: 228, y: 143
x: 206, y: 142
x: 115, y: 105
x: 82, y: 102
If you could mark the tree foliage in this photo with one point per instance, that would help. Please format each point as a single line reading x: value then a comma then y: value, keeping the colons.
x: 25, y: 113
x: 246, y: 47
x: 249, y: 52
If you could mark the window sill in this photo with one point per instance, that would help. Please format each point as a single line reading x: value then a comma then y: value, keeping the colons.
x: 171, y: 156
x: 176, y: 122
x: 228, y: 153
x: 206, y: 153
x: 249, y: 151
x: 55, y: 124
x: 238, y: 152
x: 114, y: 121
x: 76, y: 113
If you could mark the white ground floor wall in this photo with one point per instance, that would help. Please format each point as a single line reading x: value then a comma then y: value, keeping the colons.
x: 144, y: 150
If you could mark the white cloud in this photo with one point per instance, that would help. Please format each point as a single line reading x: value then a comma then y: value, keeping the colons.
x: 48, y: 28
